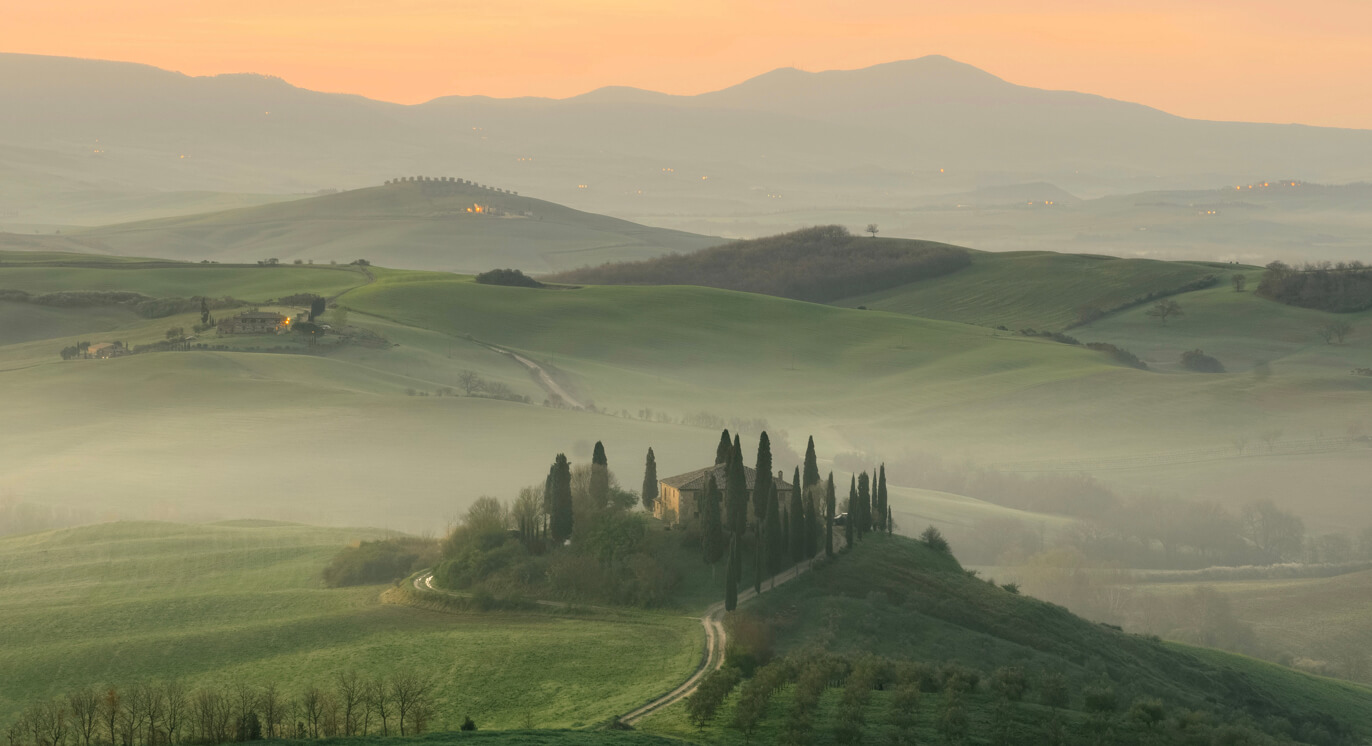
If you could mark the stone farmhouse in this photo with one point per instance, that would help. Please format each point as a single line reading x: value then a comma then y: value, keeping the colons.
x: 678, y: 501
x: 254, y: 322
x: 106, y: 350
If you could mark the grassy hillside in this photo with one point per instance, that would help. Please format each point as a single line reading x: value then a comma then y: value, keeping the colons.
x: 125, y: 602
x: 897, y: 598
x: 1033, y: 289
x: 1241, y: 330
x: 815, y: 264
x: 49, y: 272
x: 410, y: 224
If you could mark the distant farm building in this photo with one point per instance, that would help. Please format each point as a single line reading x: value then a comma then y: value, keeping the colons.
x: 106, y: 350
x: 254, y: 322
x: 679, y: 497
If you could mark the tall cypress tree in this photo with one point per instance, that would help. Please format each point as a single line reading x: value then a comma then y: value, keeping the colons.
x: 600, y: 477
x: 712, y: 542
x: 829, y: 500
x: 548, y: 498
x: 785, y: 543
x: 890, y: 522
x: 762, y: 480
x: 562, y: 499
x: 735, y: 491
x: 813, y: 530
x: 883, y: 503
x: 796, y: 514
x: 724, y: 448
x: 864, y: 501
x: 772, y: 534
x: 731, y: 576
x: 850, y: 521
x: 759, y: 558
x: 811, y: 476
x: 649, y: 494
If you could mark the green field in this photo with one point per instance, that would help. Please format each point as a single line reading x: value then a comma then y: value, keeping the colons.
x: 1241, y: 330
x: 175, y: 280
x: 214, y: 604
x: 422, y: 226
x: 1034, y: 289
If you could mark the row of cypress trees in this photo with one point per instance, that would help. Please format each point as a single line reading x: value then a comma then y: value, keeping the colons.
x: 869, y: 508
x: 781, y: 535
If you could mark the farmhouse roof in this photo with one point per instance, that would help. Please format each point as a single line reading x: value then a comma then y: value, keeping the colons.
x: 695, y: 480
x: 260, y: 315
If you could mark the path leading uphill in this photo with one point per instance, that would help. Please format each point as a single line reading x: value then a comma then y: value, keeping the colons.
x: 712, y: 621
x: 541, y: 375
x: 716, y: 640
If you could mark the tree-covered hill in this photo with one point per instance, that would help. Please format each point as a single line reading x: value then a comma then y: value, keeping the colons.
x: 817, y: 264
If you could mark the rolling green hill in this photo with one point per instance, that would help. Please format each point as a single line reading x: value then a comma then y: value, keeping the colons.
x: 897, y: 598
x: 815, y: 264
x: 1034, y: 289
x: 214, y: 604
x: 421, y: 225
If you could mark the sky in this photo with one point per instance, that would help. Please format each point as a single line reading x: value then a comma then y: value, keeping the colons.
x: 1253, y: 60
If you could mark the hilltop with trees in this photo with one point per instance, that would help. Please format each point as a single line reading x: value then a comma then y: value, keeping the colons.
x: 819, y: 264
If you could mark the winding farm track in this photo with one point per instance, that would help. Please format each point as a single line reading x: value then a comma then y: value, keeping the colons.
x: 716, y: 639
x: 545, y: 380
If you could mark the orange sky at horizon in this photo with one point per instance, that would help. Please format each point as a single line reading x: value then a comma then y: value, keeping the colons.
x: 1255, y: 60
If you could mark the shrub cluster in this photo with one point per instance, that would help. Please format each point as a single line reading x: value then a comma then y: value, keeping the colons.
x: 1118, y: 354
x: 704, y: 702
x: 1200, y: 362
x: 380, y: 561
x: 509, y: 278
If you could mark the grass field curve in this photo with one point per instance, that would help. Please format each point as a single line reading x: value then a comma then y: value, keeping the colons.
x: 1033, y: 289
x: 126, y: 602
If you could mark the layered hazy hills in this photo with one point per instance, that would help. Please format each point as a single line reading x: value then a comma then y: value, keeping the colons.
x: 877, y: 136
x: 439, y: 225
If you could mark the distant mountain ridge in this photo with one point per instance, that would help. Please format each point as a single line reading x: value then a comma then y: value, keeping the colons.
x: 877, y: 136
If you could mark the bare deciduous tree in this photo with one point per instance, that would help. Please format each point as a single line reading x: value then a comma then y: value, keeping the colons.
x: 872, y: 229
x: 177, y: 709
x: 379, y: 702
x: 350, y: 700
x: 1335, y: 331
x: 110, y: 707
x: 1165, y: 309
x: 470, y: 382
x: 84, y: 706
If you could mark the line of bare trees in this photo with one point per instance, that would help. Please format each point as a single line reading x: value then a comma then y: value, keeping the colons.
x: 170, y: 713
